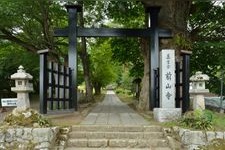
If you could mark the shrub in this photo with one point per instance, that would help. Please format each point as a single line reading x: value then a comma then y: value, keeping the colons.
x: 27, y: 118
x: 197, y: 119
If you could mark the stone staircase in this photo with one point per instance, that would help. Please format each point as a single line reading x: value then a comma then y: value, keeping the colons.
x: 99, y: 137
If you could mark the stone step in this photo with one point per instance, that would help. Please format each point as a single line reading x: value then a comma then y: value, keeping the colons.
x: 116, y: 135
x: 118, y: 128
x: 117, y: 143
x: 80, y: 148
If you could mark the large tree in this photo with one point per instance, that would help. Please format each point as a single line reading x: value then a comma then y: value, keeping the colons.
x: 173, y: 15
x: 30, y: 23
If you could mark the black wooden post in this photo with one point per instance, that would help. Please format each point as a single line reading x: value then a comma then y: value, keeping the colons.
x: 72, y: 54
x: 185, y: 80
x: 178, y: 84
x: 154, y: 52
x: 156, y: 84
x: 43, y: 80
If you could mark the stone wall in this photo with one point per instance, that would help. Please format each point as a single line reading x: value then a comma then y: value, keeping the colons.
x: 28, y: 138
x: 192, y: 139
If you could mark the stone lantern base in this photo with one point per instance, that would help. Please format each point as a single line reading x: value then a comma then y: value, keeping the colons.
x: 23, y: 100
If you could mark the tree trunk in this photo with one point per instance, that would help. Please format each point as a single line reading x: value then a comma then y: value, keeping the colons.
x: 173, y: 15
x: 86, y: 69
x: 85, y: 62
x: 144, y: 95
x: 97, y: 88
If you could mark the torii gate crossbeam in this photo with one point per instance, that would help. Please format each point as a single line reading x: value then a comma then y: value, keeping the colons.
x: 152, y: 32
x: 109, y: 32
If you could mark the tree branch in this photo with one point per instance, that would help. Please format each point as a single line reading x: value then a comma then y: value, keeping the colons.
x: 9, y: 36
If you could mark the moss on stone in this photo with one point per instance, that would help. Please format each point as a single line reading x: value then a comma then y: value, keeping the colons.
x: 216, y: 144
x: 27, y: 118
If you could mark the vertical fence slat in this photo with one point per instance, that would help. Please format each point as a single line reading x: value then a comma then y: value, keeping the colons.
x: 156, y: 85
x: 71, y: 103
x: 51, y: 70
x: 43, y: 80
x: 58, y: 86
x: 185, y: 81
x: 64, y: 87
x: 178, y: 71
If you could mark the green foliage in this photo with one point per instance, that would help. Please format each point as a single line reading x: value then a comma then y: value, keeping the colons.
x: 197, y: 119
x: 26, y: 118
x: 129, y: 14
x: 209, y: 51
x: 11, y: 57
x: 182, y: 42
x: 30, y: 27
x: 126, y: 81
x: 120, y: 90
x: 102, y: 67
x: 206, y: 24
x: 218, y: 120
x: 127, y: 51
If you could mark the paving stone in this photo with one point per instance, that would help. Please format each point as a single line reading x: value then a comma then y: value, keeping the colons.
x: 77, y: 143
x: 79, y: 134
x: 97, y: 143
x: 149, y: 135
x: 158, y: 143
x: 95, y: 135
x: 113, y: 112
x: 152, y: 128
x: 118, y: 143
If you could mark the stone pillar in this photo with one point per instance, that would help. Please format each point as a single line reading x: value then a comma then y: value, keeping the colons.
x: 198, y: 89
x: 22, y: 87
x: 167, y: 110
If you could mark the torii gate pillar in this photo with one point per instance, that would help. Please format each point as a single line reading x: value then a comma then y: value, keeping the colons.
x: 72, y: 53
x: 153, y: 13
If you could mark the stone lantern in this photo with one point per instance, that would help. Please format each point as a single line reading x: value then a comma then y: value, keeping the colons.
x: 198, y: 89
x: 22, y: 87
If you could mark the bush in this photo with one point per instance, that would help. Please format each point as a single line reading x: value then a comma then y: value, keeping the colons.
x: 27, y: 118
x: 197, y: 119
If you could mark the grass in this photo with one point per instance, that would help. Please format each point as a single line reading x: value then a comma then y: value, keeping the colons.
x: 218, y: 121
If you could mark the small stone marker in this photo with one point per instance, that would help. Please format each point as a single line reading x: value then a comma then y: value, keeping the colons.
x: 167, y: 79
x: 167, y: 110
x: 22, y: 87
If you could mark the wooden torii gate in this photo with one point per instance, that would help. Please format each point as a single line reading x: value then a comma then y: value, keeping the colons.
x: 152, y: 32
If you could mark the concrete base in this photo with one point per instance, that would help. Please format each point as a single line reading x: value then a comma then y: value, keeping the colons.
x: 166, y: 114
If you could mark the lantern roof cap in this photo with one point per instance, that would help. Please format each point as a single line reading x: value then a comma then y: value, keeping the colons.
x: 21, y: 74
x: 199, y: 77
